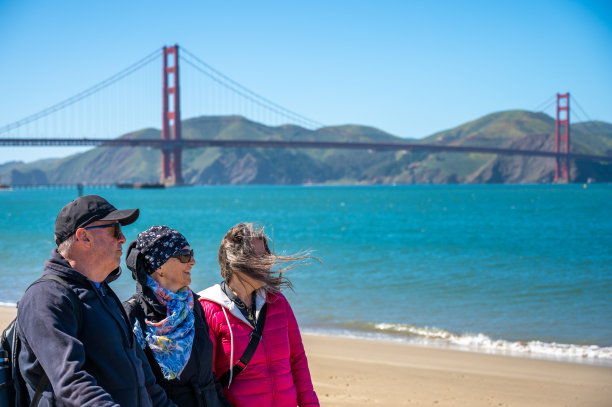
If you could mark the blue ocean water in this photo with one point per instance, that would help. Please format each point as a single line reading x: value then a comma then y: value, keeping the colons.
x: 523, y: 270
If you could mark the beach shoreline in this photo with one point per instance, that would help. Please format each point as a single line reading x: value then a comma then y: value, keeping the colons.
x: 363, y: 372
x: 557, y: 352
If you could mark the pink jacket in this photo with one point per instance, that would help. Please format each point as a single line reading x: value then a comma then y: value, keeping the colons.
x: 277, y: 374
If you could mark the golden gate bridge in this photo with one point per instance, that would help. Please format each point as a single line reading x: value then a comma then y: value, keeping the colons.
x: 172, y: 143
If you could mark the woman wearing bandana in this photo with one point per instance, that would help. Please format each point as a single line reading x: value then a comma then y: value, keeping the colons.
x: 168, y: 320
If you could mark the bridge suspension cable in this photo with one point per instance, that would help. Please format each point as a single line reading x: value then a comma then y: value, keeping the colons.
x: 575, y: 102
x: 84, y: 94
x: 587, y: 122
x: 581, y: 116
x: 547, y: 104
x: 228, y: 83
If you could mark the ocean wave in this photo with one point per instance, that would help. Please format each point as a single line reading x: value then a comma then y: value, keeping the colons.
x: 478, y: 342
x: 8, y: 304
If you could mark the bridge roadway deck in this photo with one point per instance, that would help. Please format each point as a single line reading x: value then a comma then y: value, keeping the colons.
x: 186, y: 143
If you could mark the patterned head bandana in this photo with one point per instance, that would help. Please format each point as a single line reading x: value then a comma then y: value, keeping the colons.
x: 158, y: 244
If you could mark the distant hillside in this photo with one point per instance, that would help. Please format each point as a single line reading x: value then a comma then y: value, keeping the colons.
x: 215, y: 166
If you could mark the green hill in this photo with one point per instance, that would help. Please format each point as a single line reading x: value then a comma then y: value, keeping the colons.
x: 514, y: 129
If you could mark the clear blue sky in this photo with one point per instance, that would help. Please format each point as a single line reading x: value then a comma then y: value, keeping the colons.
x: 410, y: 68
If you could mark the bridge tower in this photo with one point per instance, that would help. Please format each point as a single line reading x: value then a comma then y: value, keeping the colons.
x: 171, y: 160
x: 562, y: 138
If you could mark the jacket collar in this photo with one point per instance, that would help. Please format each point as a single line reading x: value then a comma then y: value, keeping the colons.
x: 57, y: 264
x: 215, y: 294
x: 147, y: 294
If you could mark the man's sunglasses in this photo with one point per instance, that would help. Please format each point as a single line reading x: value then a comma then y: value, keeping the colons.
x: 183, y: 255
x: 116, y: 226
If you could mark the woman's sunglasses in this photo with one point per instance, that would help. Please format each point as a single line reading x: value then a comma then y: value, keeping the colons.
x: 184, y: 255
x: 116, y: 231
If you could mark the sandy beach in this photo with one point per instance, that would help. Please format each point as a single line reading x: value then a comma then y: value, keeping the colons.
x: 354, y: 372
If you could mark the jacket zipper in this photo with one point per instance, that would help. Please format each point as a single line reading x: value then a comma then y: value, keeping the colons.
x: 130, y: 343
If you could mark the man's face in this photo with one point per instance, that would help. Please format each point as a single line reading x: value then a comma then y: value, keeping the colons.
x: 107, y: 243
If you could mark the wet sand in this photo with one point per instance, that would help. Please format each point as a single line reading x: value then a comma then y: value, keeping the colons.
x: 354, y: 372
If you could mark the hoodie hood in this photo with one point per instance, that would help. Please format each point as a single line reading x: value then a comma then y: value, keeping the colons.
x: 57, y: 264
x: 215, y: 294
x: 113, y: 275
x: 152, y: 303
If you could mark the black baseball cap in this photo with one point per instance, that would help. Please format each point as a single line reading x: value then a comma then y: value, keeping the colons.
x: 88, y: 209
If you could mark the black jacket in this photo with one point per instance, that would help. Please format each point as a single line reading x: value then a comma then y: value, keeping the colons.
x: 197, y: 385
x: 94, y: 361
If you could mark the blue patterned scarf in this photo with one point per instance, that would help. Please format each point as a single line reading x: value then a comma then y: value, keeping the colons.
x: 171, y: 338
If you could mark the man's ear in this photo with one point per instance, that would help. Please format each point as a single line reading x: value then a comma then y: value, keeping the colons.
x: 81, y: 235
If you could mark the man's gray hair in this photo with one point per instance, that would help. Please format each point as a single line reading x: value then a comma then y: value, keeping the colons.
x: 66, y: 246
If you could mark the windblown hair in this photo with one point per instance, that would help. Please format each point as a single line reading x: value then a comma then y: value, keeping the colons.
x: 236, y: 253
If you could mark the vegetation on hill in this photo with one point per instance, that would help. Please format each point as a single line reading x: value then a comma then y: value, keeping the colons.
x: 513, y: 129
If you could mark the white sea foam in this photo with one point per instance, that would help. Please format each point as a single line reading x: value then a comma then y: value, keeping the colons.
x: 431, y: 336
x: 8, y: 304
x: 483, y: 343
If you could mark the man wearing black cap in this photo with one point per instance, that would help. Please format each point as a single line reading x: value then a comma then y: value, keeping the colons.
x: 85, y: 347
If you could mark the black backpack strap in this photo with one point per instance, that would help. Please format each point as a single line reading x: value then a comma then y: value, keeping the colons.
x: 44, y: 380
x: 250, y: 349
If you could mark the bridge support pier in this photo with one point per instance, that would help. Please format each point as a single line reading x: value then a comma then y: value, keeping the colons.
x: 171, y: 159
x: 562, y: 139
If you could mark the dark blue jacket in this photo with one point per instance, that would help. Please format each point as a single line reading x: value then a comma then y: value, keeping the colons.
x: 96, y: 364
